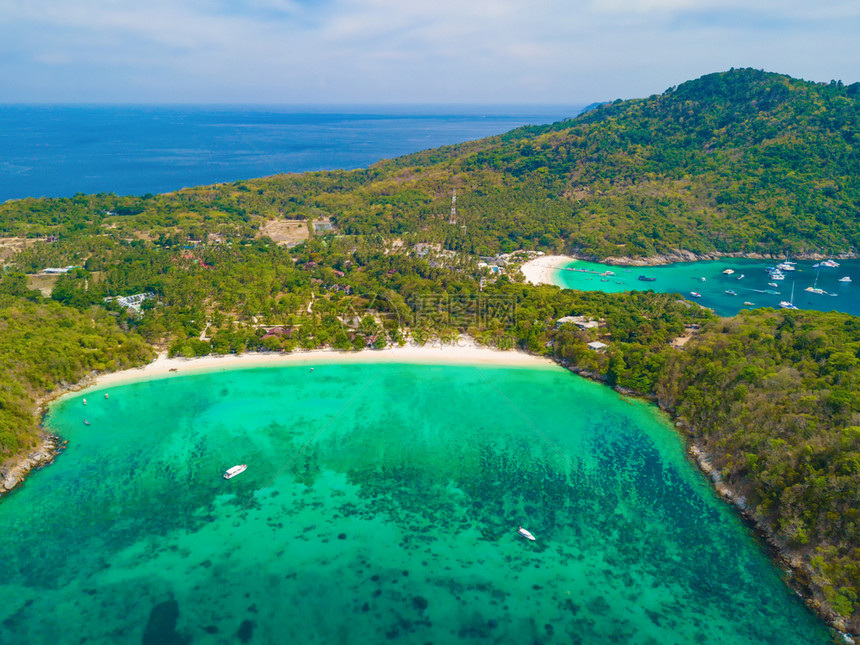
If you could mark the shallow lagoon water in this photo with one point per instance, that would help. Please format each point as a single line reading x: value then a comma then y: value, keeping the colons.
x: 380, y: 504
x: 684, y: 277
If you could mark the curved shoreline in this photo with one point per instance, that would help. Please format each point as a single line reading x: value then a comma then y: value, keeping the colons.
x: 542, y: 269
x: 463, y: 351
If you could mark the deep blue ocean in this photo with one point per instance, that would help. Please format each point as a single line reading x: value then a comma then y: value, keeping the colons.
x: 57, y: 151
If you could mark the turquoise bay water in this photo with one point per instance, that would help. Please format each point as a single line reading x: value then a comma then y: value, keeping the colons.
x: 380, y: 504
x: 684, y: 277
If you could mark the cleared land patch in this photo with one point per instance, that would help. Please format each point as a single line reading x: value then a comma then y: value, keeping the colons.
x: 44, y: 282
x: 9, y: 246
x: 288, y: 232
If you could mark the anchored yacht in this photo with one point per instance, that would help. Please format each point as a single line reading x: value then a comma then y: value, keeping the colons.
x: 526, y: 534
x: 235, y: 470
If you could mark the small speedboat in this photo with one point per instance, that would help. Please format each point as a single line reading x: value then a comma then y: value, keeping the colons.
x: 729, y: 271
x: 526, y: 534
x: 847, y: 278
x: 85, y: 401
x: 772, y: 284
x: 740, y: 277
x: 702, y: 279
x: 86, y: 423
x: 695, y: 294
x: 235, y: 470
x: 748, y: 303
x: 645, y: 278
x: 731, y: 292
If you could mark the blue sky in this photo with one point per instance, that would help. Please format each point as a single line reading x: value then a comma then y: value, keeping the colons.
x: 407, y: 51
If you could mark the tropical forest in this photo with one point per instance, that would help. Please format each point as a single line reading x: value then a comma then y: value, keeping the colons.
x: 740, y: 162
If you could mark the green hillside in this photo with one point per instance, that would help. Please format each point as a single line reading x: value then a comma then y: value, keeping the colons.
x: 736, y: 161
x: 45, y: 346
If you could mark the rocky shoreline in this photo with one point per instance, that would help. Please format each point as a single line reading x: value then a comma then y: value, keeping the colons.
x: 679, y: 255
x: 15, y: 469
x: 800, y: 576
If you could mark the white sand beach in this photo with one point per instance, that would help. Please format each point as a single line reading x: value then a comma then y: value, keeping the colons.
x: 462, y: 351
x: 544, y: 270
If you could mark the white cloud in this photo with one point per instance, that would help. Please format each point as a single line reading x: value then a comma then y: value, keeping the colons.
x: 396, y: 50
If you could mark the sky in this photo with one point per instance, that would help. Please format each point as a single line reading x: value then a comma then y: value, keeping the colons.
x: 407, y: 51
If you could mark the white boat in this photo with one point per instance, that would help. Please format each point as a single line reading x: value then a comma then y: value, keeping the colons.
x: 772, y: 284
x: 845, y: 279
x: 695, y: 294
x: 741, y: 276
x: 703, y: 279
x: 729, y: 271
x: 785, y: 266
x: 526, y: 534
x: 830, y: 263
x: 235, y: 470
x: 814, y: 288
x: 789, y: 304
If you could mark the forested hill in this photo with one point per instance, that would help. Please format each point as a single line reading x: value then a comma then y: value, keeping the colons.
x: 736, y: 161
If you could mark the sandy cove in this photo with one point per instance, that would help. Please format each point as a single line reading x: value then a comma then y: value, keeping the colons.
x: 462, y: 351
x: 544, y: 269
